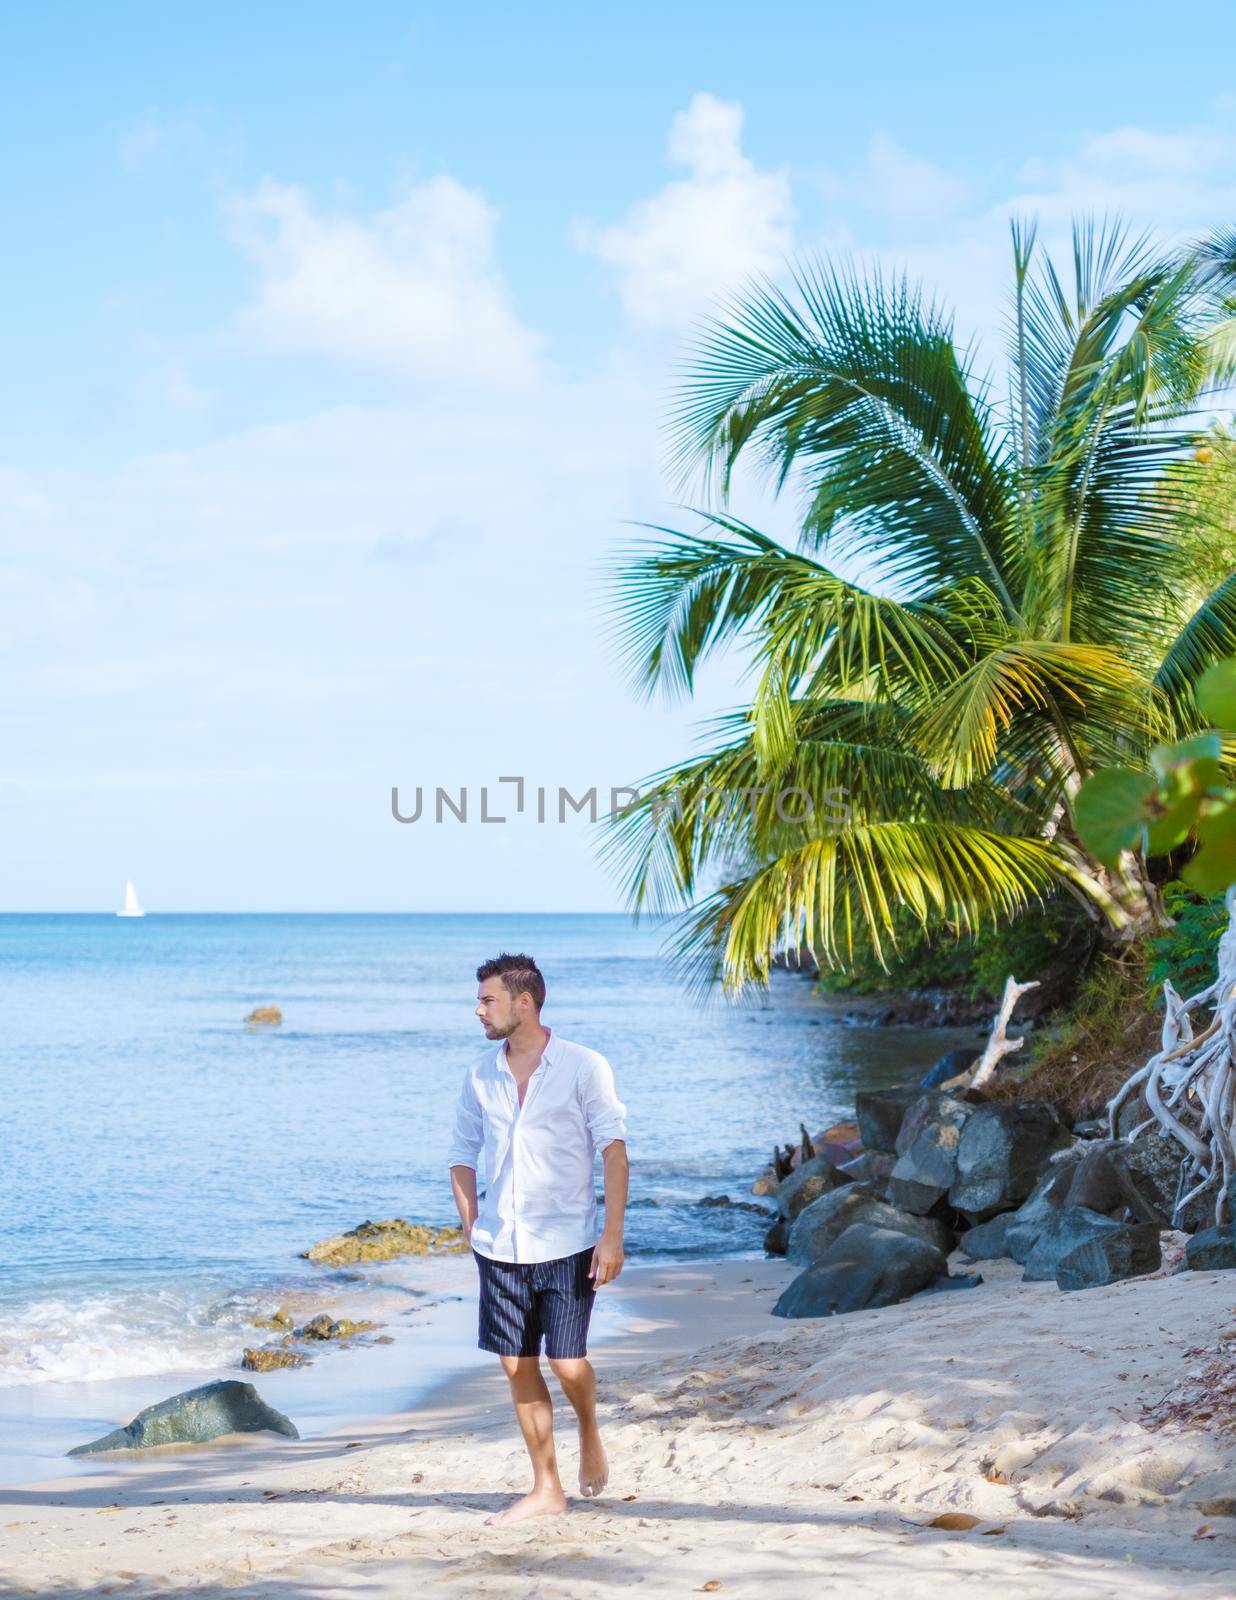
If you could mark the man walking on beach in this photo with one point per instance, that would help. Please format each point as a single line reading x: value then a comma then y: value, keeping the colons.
x: 540, y: 1108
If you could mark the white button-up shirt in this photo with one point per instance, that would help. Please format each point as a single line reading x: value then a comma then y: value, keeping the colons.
x: 540, y: 1190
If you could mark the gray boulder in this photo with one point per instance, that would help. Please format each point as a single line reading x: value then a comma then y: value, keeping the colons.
x: 1109, y: 1257
x: 1002, y: 1150
x: 1148, y: 1171
x: 822, y: 1223
x: 874, y: 1167
x: 948, y: 1066
x: 864, y: 1267
x: 989, y: 1240
x: 880, y: 1113
x: 806, y: 1183
x: 195, y: 1416
x: 1096, y: 1184
x: 1212, y: 1250
x: 1013, y: 1233
x: 1056, y: 1236
x: 927, y: 1152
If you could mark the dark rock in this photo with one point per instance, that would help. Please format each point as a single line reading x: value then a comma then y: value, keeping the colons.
x: 1059, y: 1233
x: 927, y: 1145
x: 1109, y: 1257
x: 880, y: 1113
x: 777, y: 1239
x: 713, y: 1200
x: 948, y: 1066
x: 989, y: 1240
x: 1090, y: 1128
x: 195, y: 1416
x: 1002, y: 1150
x: 1096, y: 1184
x: 956, y: 1280
x: 1149, y: 1174
x: 874, y: 1167
x: 865, y: 1266
x: 1014, y: 1233
x: 1212, y: 1250
x: 822, y: 1223
x: 807, y: 1183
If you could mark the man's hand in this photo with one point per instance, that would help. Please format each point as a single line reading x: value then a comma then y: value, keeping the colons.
x: 607, y: 1260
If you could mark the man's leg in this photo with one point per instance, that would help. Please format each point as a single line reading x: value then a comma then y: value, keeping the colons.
x: 535, y: 1413
x: 579, y: 1384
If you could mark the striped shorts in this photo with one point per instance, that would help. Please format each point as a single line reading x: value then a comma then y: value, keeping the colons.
x: 523, y: 1301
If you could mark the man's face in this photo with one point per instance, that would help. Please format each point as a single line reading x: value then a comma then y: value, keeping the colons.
x: 495, y: 1006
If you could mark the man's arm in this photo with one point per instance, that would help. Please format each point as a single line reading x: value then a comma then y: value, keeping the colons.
x: 463, y: 1185
x: 467, y: 1141
x: 607, y: 1258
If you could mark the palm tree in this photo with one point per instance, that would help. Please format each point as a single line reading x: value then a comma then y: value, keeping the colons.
x: 1032, y: 615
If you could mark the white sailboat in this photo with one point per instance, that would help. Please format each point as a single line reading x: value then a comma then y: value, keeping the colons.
x: 130, y: 907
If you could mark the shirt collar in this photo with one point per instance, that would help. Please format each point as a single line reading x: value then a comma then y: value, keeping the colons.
x: 548, y: 1056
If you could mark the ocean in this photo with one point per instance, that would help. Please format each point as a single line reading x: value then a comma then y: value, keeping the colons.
x: 164, y: 1165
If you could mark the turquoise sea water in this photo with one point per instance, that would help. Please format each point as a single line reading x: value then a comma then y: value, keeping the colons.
x: 163, y: 1164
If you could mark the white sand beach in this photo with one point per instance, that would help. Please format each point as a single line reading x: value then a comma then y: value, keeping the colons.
x: 750, y: 1456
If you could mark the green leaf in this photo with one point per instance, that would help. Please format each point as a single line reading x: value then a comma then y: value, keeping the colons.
x: 1112, y: 809
x: 1214, y: 866
x: 1193, y: 763
x: 1216, y: 693
x: 1173, y: 827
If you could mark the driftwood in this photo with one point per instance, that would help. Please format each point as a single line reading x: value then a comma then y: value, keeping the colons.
x: 999, y: 1044
x: 808, y: 1149
x: 1189, y: 1084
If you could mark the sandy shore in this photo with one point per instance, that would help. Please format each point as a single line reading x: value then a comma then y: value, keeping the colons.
x: 792, y: 1458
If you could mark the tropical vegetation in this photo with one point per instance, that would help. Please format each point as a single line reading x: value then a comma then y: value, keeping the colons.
x: 990, y: 595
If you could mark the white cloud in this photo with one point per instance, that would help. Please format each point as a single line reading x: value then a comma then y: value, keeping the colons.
x: 906, y: 186
x: 414, y: 289
x: 701, y: 234
x: 1176, y: 181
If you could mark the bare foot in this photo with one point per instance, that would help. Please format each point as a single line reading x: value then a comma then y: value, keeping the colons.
x: 593, y: 1465
x: 539, y: 1503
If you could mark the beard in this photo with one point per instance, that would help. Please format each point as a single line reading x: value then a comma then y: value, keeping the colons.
x: 495, y: 1031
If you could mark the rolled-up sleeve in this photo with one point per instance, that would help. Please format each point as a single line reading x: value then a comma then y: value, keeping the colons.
x: 605, y: 1113
x: 468, y: 1134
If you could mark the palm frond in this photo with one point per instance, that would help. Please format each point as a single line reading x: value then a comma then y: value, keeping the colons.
x: 858, y: 381
x: 1208, y: 636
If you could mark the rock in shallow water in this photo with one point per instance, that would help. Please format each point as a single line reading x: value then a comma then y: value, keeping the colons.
x: 272, y: 1360
x: 383, y: 1241
x: 948, y: 1066
x: 195, y: 1417
x: 864, y: 1267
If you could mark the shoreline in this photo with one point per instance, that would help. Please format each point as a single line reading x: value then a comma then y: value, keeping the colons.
x: 810, y: 1454
x: 426, y: 1307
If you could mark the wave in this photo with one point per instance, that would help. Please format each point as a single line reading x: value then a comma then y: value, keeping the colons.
x: 121, y: 1334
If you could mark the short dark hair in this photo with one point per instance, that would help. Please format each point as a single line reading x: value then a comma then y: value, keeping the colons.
x: 519, y: 974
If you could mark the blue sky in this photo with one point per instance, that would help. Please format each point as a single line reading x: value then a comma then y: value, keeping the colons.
x: 336, y: 343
